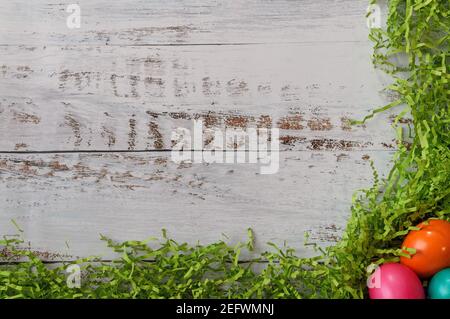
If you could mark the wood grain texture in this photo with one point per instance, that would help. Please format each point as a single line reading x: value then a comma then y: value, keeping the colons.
x: 59, y: 198
x: 120, y: 98
x: 86, y: 117
x: 181, y: 22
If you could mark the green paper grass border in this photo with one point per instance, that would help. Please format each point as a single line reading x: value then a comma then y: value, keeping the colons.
x: 417, y: 188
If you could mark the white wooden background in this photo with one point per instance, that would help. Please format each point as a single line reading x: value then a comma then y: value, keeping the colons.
x: 86, y: 117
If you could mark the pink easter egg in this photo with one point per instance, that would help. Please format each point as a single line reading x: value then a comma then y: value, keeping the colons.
x: 395, y: 281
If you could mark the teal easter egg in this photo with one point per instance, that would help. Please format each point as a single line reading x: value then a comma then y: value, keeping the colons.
x: 439, y: 287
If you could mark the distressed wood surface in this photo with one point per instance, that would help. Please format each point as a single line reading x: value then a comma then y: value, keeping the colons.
x: 181, y: 22
x: 59, y: 198
x: 121, y: 98
x: 86, y: 117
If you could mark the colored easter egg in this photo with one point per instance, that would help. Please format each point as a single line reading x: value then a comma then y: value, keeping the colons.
x: 432, y: 244
x: 395, y: 281
x: 439, y: 287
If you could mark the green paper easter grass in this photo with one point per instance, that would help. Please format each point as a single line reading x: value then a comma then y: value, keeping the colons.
x: 417, y: 188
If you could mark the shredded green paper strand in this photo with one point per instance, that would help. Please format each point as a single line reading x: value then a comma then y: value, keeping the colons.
x: 417, y: 188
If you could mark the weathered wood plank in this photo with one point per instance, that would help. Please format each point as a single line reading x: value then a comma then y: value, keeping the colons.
x: 125, y: 22
x: 136, y: 69
x: 59, y: 198
x: 120, y: 98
